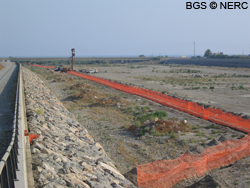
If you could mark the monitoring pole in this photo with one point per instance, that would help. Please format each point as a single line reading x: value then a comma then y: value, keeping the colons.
x: 73, y: 54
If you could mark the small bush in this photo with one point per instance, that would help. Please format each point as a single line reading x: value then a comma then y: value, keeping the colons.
x: 137, y: 124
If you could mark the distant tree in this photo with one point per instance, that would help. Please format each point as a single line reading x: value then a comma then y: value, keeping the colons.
x: 167, y: 56
x: 158, y: 58
x: 207, y: 53
x: 198, y: 56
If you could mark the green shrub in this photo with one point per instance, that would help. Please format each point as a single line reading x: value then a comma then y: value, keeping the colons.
x: 160, y: 114
x: 151, y: 117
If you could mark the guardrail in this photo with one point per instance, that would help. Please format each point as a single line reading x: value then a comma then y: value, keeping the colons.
x: 13, y: 163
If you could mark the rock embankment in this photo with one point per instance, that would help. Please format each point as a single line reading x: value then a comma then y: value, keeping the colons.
x: 64, y: 155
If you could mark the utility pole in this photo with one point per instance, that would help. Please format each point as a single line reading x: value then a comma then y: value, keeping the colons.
x: 73, y: 54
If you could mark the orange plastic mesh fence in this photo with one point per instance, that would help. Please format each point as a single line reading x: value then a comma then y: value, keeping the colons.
x: 165, y: 173
x: 50, y: 67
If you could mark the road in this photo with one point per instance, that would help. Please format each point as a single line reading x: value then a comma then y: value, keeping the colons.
x: 8, y: 77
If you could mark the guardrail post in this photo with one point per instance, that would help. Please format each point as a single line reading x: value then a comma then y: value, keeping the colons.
x: 4, y: 178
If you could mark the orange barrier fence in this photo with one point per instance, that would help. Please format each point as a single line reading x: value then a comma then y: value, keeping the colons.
x: 215, y: 115
x: 50, y: 67
x: 165, y: 173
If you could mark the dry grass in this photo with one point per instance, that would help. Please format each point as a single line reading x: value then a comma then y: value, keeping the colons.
x: 1, y: 67
x: 121, y: 149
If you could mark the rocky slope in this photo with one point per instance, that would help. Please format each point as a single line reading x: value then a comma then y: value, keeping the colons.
x: 64, y: 155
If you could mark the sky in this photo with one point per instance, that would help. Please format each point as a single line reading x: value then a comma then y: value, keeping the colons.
x: 101, y: 28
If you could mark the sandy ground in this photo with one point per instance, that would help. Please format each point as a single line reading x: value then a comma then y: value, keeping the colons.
x: 106, y: 124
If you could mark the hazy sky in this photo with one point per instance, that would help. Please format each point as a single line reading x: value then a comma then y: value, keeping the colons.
x: 119, y: 28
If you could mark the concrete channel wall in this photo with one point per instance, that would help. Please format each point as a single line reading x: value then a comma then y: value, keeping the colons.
x: 25, y: 175
x: 15, y: 165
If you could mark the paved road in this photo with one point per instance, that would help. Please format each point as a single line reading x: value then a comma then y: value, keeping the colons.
x: 8, y: 77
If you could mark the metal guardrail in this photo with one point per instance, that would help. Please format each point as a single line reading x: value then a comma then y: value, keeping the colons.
x: 9, y: 164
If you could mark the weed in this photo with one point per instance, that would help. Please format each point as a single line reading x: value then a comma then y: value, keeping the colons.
x: 172, y: 135
x: 128, y: 167
x: 103, y: 119
x: 141, y: 133
x: 195, y: 88
x: 200, y: 134
x: 212, y: 126
x: 214, y: 131
x: 126, y: 127
x: 191, y: 140
x: 145, y: 108
x: 137, y: 124
x: 241, y: 87
x: 39, y: 111
x: 184, y: 142
x: 108, y: 137
x: 157, y: 133
x: 236, y: 183
x: 210, y: 138
x: 203, y: 143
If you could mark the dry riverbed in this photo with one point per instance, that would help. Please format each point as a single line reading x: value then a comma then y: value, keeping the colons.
x: 118, y: 120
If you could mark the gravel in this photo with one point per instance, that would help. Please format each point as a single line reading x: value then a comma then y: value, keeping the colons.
x: 64, y: 155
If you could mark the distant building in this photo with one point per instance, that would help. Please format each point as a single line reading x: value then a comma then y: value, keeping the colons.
x: 219, y: 53
x: 184, y: 56
x: 141, y: 55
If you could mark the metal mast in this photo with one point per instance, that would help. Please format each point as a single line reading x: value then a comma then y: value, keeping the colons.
x: 73, y: 54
